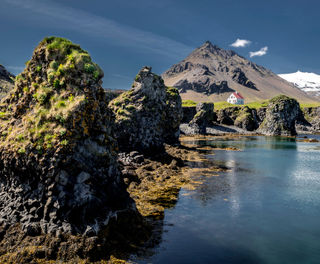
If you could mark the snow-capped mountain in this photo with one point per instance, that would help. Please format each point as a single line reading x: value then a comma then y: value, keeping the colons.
x: 307, y: 81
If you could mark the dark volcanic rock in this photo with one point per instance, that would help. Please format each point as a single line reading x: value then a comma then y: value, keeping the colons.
x: 246, y: 119
x: 281, y: 115
x: 59, y: 170
x: 148, y: 115
x: 241, y: 78
x: 6, y: 81
x: 188, y: 113
x: 201, y: 120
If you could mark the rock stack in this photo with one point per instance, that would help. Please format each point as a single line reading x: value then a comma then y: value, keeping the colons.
x: 58, y: 165
x: 281, y: 115
x: 148, y: 115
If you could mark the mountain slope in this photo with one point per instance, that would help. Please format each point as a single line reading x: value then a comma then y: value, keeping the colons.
x: 306, y: 81
x: 210, y: 73
x: 6, y: 83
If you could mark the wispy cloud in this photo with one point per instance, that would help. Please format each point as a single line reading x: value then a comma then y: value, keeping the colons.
x: 261, y: 52
x: 240, y: 43
x: 104, y: 28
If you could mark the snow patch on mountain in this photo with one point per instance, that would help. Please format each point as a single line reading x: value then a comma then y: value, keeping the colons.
x: 306, y: 81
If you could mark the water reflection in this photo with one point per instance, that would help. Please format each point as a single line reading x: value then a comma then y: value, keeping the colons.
x: 263, y: 209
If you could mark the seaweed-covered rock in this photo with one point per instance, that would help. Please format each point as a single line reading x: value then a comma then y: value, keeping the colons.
x: 58, y: 160
x: 6, y: 81
x: 246, y: 119
x: 281, y: 115
x: 148, y: 115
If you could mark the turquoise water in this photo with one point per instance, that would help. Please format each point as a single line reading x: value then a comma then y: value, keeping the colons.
x: 265, y: 209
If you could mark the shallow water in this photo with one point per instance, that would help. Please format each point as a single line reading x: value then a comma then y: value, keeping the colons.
x: 265, y: 209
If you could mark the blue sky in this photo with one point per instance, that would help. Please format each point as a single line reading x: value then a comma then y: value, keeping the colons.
x: 123, y: 35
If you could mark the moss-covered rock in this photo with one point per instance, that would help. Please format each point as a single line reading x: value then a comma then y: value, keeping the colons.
x: 245, y: 119
x: 58, y: 156
x: 281, y: 115
x: 148, y: 115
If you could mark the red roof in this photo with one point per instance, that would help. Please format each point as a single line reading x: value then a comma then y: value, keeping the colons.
x: 238, y: 95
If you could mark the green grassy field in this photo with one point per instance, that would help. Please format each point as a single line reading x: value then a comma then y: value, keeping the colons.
x: 252, y: 105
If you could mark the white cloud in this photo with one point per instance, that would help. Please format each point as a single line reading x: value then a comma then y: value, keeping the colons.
x: 261, y: 52
x: 240, y: 43
x: 103, y: 28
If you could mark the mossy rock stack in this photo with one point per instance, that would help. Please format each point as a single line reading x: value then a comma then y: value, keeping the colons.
x: 281, y: 115
x: 148, y: 115
x: 59, y: 170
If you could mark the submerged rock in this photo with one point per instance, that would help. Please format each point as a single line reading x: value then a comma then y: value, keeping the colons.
x: 281, y: 115
x: 148, y: 115
x: 59, y: 170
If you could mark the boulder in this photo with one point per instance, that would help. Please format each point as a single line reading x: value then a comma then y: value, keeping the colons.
x: 148, y: 115
x: 59, y: 170
x: 281, y: 115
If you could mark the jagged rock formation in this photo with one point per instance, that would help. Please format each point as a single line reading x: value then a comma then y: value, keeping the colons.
x: 58, y: 165
x: 210, y: 73
x: 6, y: 81
x: 148, y: 115
x: 281, y: 115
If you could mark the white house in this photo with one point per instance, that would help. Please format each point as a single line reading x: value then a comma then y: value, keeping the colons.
x: 236, y: 98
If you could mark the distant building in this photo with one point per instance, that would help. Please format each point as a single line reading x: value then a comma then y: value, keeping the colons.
x: 236, y: 98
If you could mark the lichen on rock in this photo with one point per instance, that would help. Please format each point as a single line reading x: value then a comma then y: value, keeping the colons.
x: 148, y: 115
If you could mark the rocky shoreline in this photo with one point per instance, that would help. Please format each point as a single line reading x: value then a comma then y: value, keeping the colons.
x: 282, y: 117
x: 86, y: 175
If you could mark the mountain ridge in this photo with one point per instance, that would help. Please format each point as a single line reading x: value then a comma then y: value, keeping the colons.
x: 210, y: 73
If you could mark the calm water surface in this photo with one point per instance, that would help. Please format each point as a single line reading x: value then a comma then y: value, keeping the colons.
x: 266, y: 209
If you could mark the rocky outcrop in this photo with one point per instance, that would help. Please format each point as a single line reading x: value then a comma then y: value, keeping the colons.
x: 309, y: 122
x: 6, y: 81
x: 148, y: 115
x: 246, y: 119
x: 202, y: 119
x: 281, y: 115
x: 58, y: 165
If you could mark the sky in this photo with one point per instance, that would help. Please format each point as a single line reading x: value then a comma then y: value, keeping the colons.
x: 124, y: 35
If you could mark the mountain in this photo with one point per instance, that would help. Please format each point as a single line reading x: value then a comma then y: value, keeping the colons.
x: 6, y: 82
x: 306, y: 81
x: 211, y: 73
